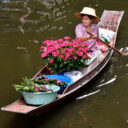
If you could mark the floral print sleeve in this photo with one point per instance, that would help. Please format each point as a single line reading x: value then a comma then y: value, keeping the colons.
x: 97, y: 30
x: 78, y: 31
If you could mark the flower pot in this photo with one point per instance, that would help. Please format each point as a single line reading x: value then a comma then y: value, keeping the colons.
x: 38, y: 98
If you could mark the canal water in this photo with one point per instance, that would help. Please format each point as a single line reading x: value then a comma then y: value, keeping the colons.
x: 24, y: 24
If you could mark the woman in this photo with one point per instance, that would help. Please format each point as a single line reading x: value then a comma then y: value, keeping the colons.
x: 89, y: 18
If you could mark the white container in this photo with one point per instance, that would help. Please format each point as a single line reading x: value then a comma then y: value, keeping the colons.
x: 75, y: 75
x: 38, y: 98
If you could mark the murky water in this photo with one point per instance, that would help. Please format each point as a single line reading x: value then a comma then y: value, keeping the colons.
x: 24, y: 24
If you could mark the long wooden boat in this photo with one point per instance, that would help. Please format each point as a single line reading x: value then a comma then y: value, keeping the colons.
x: 108, y: 27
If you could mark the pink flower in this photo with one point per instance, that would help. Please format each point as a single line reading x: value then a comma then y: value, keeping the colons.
x: 50, y: 50
x: 85, y: 50
x: 70, y: 44
x: 51, y: 61
x: 59, y: 81
x: 79, y: 53
x: 69, y: 53
x: 60, y: 40
x: 62, y: 56
x: 75, y: 57
x: 45, y: 77
x: 43, y: 55
x: 72, y: 49
x: 66, y: 57
x: 78, y: 40
x: 86, y: 44
x: 42, y: 47
x: 55, y: 53
x: 66, y: 43
x: 42, y: 85
x: 84, y: 56
x: 67, y: 49
x: 36, y: 89
x: 61, y: 45
x: 80, y: 49
x: 63, y: 52
x: 45, y: 42
x: 75, y: 44
x: 67, y: 38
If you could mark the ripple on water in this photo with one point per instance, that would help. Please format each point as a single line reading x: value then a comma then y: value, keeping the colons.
x: 50, y: 11
x: 5, y: 1
x: 124, y: 50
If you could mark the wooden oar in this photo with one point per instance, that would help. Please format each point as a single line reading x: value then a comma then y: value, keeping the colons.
x: 109, y: 46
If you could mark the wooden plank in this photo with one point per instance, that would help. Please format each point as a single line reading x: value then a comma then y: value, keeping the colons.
x: 19, y: 107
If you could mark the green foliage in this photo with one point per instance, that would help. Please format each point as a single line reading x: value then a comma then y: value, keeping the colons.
x: 67, y: 65
x: 44, y: 80
x: 25, y: 84
x: 37, y: 85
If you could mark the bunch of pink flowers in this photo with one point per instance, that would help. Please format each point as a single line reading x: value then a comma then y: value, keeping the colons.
x: 41, y: 88
x: 64, y: 54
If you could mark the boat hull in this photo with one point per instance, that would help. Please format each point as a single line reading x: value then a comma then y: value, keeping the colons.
x: 89, y: 73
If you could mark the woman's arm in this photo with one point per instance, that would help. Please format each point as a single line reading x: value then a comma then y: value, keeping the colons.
x: 79, y: 33
x: 87, y: 38
x: 84, y: 38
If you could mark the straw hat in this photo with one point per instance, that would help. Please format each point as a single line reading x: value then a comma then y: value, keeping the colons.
x: 88, y: 11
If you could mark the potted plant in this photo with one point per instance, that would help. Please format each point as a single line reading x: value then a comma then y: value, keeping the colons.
x: 42, y: 79
x: 35, y: 93
x: 64, y: 55
x: 60, y: 80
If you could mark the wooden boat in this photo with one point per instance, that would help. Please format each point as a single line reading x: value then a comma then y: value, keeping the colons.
x: 108, y: 27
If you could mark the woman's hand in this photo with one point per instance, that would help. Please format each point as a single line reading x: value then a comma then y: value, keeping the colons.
x: 93, y: 36
x: 88, y: 38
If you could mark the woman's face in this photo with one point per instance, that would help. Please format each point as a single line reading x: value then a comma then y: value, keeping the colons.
x: 86, y: 21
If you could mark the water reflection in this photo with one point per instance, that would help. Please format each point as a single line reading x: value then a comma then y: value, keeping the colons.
x: 124, y: 50
x: 51, y: 11
x: 5, y: 1
x: 24, y: 24
x: 87, y: 95
x: 108, y: 82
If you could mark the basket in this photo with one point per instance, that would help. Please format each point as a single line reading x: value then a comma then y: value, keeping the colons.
x: 39, y: 98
